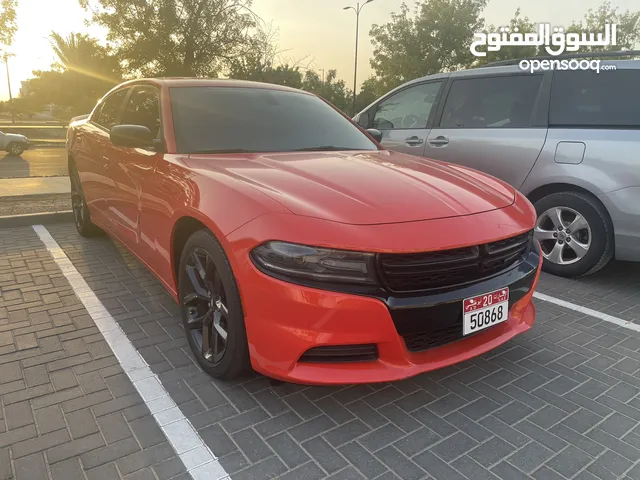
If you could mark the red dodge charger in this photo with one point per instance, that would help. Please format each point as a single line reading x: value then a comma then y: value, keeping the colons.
x: 294, y: 243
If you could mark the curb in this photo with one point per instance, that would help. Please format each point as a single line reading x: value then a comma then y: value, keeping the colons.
x: 28, y: 219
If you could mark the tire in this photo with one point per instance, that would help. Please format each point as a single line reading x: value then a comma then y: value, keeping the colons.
x: 565, y: 254
x: 15, y: 149
x: 234, y: 360
x: 81, y: 215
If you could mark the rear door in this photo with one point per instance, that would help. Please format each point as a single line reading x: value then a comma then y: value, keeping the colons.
x: 403, y: 118
x: 93, y: 148
x: 493, y: 123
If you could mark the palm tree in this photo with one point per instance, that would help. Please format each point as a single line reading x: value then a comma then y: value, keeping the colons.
x: 88, y: 68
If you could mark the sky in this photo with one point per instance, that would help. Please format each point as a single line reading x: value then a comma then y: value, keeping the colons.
x: 318, y: 31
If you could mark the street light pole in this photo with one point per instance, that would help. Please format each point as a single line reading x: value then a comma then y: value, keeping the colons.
x: 6, y: 62
x: 358, y: 8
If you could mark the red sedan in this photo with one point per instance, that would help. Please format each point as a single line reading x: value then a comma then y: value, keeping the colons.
x: 294, y: 243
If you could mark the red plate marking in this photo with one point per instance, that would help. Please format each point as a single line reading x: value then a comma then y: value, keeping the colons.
x: 486, y: 300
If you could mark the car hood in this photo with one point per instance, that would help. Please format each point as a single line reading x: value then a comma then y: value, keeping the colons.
x: 362, y: 188
x: 15, y: 136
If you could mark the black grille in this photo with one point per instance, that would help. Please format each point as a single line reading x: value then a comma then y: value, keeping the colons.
x: 341, y: 354
x: 432, y: 326
x: 404, y: 273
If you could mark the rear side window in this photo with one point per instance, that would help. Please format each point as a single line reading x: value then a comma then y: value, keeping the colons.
x: 108, y: 113
x: 591, y: 99
x: 491, y: 102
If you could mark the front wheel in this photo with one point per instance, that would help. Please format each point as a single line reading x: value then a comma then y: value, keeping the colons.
x: 15, y: 149
x: 211, y: 308
x: 575, y: 234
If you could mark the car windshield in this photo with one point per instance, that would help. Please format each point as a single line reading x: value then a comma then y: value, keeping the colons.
x: 239, y: 119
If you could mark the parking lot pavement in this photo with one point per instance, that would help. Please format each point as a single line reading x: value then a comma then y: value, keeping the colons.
x: 67, y: 406
x: 561, y: 401
x: 614, y: 291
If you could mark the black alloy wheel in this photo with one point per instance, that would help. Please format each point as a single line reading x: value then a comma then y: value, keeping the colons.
x: 81, y: 215
x: 211, y: 309
x: 208, y: 315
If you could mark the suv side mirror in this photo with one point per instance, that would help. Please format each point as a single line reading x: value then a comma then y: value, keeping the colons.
x: 132, y: 136
x: 375, y: 133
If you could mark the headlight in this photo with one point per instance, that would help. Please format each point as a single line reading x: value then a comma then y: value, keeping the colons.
x: 292, y: 262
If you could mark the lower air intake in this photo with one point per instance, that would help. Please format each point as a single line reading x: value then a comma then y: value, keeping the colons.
x: 341, y: 354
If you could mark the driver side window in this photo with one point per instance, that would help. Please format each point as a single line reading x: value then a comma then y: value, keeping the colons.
x: 407, y: 109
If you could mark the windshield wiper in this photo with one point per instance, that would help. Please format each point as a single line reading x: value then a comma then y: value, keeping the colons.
x: 325, y: 148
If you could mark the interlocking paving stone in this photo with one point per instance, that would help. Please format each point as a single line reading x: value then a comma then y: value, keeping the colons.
x: 560, y: 401
x: 52, y: 384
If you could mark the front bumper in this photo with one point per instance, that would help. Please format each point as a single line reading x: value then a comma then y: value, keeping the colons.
x: 285, y: 320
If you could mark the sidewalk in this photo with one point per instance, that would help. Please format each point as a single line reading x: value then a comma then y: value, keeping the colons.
x: 20, y: 187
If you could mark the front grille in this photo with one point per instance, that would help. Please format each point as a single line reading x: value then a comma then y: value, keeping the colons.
x: 423, y: 328
x: 341, y: 354
x: 415, y: 272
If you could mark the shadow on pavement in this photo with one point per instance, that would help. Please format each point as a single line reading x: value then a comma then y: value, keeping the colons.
x: 13, y: 166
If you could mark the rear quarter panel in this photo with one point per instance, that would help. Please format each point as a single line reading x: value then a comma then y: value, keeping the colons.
x: 610, y: 161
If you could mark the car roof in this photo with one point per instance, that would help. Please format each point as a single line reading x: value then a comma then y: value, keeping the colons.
x: 207, y: 82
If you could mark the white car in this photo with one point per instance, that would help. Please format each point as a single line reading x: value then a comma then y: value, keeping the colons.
x: 13, y: 143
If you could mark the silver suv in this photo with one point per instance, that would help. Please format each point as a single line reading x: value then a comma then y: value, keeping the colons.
x: 569, y: 140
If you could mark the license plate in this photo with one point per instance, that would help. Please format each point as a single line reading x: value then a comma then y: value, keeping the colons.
x: 485, y: 310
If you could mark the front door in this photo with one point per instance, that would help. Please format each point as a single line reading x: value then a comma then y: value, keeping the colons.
x: 132, y: 169
x: 493, y: 124
x: 403, y: 117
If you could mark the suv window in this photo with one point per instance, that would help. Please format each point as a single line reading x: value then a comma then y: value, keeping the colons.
x: 237, y: 119
x: 407, y: 109
x: 491, y: 102
x: 143, y: 108
x: 107, y: 115
x: 591, y: 99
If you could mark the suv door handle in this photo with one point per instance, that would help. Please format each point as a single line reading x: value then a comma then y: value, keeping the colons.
x: 413, y: 141
x: 439, y: 141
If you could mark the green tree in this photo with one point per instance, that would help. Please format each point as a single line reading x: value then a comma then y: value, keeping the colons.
x: 176, y: 37
x: 331, y: 89
x: 628, y: 27
x: 8, y: 25
x: 435, y: 38
x: 258, y: 64
x: 371, y: 89
x: 83, y: 72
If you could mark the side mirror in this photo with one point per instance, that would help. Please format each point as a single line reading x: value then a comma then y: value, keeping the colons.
x: 132, y: 136
x: 375, y: 133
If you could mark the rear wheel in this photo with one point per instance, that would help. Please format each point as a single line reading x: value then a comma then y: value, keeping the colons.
x: 575, y: 234
x: 81, y: 215
x: 212, y: 312
x: 15, y: 149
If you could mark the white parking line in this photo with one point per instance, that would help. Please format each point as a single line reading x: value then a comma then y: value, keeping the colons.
x: 199, y: 460
x: 588, y: 311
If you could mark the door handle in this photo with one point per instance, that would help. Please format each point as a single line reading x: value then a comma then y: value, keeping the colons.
x: 413, y: 141
x: 439, y: 141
